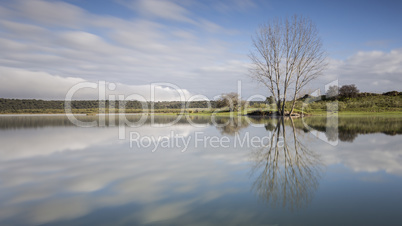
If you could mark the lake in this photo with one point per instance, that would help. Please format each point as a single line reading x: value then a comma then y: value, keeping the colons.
x: 200, y: 170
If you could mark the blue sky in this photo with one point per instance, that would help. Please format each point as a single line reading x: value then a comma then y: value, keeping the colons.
x: 200, y: 46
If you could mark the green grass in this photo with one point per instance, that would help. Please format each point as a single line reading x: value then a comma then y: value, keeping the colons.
x: 364, y: 105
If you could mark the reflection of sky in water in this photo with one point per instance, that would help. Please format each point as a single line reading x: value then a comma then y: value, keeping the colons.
x: 56, y: 174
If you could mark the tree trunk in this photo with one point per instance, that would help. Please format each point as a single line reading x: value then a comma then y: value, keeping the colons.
x: 278, y: 106
x: 293, y: 106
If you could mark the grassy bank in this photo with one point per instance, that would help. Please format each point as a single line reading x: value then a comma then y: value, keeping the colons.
x: 361, y: 105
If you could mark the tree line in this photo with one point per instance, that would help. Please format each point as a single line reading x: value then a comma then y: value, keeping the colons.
x: 14, y: 105
x: 351, y: 91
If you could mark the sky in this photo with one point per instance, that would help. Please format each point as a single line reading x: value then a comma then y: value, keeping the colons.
x: 186, y: 47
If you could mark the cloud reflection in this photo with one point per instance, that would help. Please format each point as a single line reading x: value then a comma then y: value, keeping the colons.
x: 61, y: 173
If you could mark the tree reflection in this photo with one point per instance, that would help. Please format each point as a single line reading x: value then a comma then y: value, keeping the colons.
x: 347, y: 129
x: 231, y: 125
x: 287, y: 171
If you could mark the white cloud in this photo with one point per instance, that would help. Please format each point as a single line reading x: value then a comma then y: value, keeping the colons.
x: 21, y: 28
x: 371, y: 71
x: 233, y: 5
x: 164, y: 9
x: 130, y: 52
x: 21, y: 83
x: 198, y: 56
x: 42, y: 85
x: 52, y: 13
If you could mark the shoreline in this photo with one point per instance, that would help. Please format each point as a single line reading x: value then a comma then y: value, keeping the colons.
x: 321, y: 113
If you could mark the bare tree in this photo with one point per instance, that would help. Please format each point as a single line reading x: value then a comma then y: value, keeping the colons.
x: 333, y: 91
x: 231, y: 100
x: 287, y: 55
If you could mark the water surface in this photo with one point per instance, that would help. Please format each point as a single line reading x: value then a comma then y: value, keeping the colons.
x: 316, y: 171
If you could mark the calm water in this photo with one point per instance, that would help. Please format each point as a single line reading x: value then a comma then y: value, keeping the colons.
x: 319, y: 171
